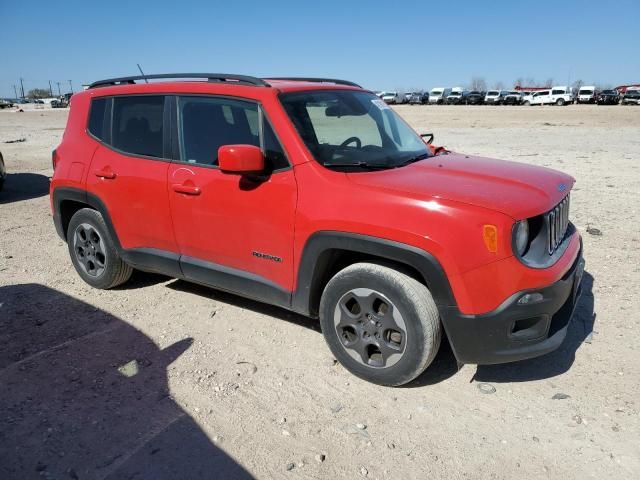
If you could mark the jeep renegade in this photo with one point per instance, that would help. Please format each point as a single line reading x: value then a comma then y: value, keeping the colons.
x: 314, y: 195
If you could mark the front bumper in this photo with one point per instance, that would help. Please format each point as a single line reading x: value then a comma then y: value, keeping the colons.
x: 513, y: 331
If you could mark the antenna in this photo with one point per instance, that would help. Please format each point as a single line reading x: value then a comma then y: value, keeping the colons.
x: 144, y: 76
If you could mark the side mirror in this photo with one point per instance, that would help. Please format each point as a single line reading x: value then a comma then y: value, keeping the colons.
x: 240, y: 159
x: 427, y: 138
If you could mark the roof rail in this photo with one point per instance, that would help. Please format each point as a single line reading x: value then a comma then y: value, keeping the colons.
x: 318, y: 80
x: 211, y: 77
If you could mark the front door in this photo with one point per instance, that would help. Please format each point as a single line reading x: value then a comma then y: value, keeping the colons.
x: 234, y: 232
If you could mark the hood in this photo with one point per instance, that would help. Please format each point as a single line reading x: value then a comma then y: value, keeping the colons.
x: 515, y: 189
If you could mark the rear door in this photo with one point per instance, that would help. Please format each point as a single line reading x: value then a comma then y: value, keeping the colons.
x: 129, y: 169
x: 233, y: 231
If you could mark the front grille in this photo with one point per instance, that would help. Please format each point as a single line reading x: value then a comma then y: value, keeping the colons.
x: 557, y: 221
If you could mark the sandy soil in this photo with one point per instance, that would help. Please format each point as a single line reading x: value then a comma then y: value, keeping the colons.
x: 163, y: 379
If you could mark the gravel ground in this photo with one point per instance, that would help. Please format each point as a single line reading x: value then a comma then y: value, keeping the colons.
x: 164, y: 379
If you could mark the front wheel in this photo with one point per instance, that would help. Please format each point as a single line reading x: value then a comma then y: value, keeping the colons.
x: 382, y: 325
x: 527, y: 103
x: 93, y: 253
x: 560, y: 102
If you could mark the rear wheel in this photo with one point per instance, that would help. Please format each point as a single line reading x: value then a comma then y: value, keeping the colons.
x: 560, y: 102
x: 93, y: 252
x: 382, y: 325
x: 527, y: 103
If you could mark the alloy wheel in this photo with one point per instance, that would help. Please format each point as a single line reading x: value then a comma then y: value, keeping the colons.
x: 370, y: 327
x: 89, y: 249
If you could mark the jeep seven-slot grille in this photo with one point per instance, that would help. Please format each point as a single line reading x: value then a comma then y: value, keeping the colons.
x: 557, y: 221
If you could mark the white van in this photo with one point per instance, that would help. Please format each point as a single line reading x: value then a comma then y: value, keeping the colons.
x: 495, y: 97
x: 587, y: 94
x: 438, y: 95
x: 559, y: 95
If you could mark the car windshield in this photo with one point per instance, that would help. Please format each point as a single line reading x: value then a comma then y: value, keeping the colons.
x: 586, y: 92
x: 436, y: 92
x: 456, y: 94
x: 609, y: 92
x: 493, y: 93
x: 352, y: 130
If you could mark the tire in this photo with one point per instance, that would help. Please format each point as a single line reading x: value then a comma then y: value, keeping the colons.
x: 560, y: 102
x: 527, y: 103
x: 93, y: 252
x: 381, y: 309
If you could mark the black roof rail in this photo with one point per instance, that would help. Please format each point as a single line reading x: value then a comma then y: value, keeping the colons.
x: 211, y: 77
x: 317, y: 80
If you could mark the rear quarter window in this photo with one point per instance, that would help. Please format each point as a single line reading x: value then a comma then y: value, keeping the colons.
x: 98, y: 124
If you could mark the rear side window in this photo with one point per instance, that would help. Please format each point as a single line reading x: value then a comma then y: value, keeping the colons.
x: 98, y: 124
x: 138, y: 125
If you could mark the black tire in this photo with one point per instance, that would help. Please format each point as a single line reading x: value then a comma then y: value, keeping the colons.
x: 378, y: 328
x: 93, y: 253
x: 560, y: 102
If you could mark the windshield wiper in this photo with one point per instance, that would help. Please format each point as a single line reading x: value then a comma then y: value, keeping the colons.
x: 365, y: 165
x: 417, y: 158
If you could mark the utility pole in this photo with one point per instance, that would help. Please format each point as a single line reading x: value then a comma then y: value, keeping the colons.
x: 22, y: 87
x: 50, y: 89
x: 59, y: 94
x: 70, y: 86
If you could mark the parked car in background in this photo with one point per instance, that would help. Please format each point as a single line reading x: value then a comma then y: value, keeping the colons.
x: 608, y: 97
x: 474, y: 98
x: 419, y: 98
x: 587, y: 94
x: 439, y: 95
x: 5, y: 103
x: 631, y: 97
x: 555, y: 96
x: 457, y: 97
x: 495, y: 97
x: 3, y: 171
x: 513, y: 98
x: 392, y: 98
x: 61, y: 102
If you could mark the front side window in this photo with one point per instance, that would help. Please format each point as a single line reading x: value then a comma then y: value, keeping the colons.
x: 208, y: 123
x: 138, y: 125
x: 558, y: 92
x: 352, y: 129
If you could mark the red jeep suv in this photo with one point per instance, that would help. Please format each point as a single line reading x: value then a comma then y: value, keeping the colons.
x: 313, y: 195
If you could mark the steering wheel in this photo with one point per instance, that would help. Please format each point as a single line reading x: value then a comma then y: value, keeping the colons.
x: 349, y: 140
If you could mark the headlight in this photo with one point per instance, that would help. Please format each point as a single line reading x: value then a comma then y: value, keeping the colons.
x: 521, y: 237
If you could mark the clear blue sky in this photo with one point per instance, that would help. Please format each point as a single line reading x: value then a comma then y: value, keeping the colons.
x: 382, y: 45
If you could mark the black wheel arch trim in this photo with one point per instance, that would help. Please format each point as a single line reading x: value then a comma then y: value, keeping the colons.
x: 311, y: 271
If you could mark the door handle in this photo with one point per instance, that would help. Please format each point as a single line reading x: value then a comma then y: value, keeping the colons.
x: 186, y: 188
x: 106, y: 172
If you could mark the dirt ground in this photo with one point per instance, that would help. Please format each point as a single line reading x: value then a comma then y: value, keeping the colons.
x: 164, y: 379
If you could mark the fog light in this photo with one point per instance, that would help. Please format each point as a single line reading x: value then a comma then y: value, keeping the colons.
x: 529, y: 298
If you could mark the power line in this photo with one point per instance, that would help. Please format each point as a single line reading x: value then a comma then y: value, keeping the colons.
x: 22, y: 87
